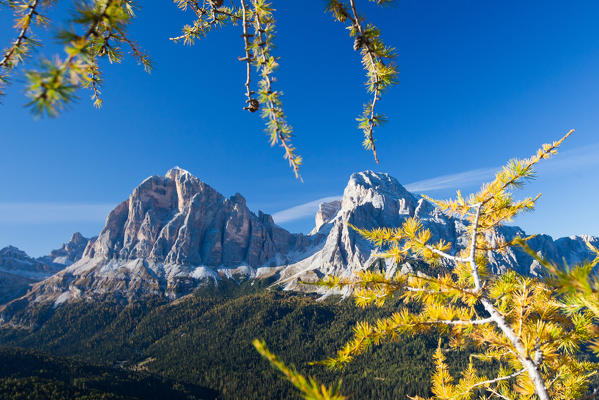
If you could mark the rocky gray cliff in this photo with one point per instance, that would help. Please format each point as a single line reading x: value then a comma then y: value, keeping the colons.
x: 178, y: 219
x: 326, y: 212
x: 18, y: 262
x: 18, y: 271
x: 70, y: 252
x: 378, y: 200
x: 175, y: 233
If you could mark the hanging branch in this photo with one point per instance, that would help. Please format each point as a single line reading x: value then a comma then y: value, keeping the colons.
x: 18, y: 47
x: 376, y: 58
x: 208, y: 17
x: 277, y: 127
x: 27, y: 13
x: 53, y: 87
x: 138, y: 54
x: 252, y: 104
x: 257, y: 51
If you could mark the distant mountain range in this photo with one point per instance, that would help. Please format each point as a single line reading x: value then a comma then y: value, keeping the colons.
x: 18, y: 271
x: 175, y: 233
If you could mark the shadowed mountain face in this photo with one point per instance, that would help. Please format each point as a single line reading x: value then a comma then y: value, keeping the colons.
x: 176, y: 233
x: 18, y: 271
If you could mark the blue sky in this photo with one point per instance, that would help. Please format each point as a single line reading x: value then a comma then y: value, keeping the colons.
x: 480, y: 82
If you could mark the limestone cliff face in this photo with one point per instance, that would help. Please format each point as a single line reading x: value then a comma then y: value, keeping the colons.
x: 326, y: 212
x: 178, y: 219
x: 369, y: 200
x: 18, y: 262
x: 378, y: 200
x: 18, y: 272
x: 569, y: 250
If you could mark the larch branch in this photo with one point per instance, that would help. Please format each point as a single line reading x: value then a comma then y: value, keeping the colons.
x: 5, y: 62
x: 248, y: 58
x: 377, y: 91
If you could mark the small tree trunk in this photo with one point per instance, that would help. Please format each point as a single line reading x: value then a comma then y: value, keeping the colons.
x: 531, y: 367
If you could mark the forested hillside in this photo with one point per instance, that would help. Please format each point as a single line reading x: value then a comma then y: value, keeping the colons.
x: 205, y: 340
x: 29, y: 375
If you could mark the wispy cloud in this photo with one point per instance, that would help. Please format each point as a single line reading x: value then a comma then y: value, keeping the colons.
x: 571, y: 160
x: 566, y: 162
x: 308, y: 209
x: 452, y: 180
x: 43, y: 213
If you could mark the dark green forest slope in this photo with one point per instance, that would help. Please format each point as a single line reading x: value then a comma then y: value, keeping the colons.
x: 205, y: 340
x: 30, y: 375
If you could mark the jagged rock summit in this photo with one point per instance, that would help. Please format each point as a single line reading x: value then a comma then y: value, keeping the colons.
x: 178, y: 219
x: 70, y: 252
x: 369, y: 200
x: 326, y: 212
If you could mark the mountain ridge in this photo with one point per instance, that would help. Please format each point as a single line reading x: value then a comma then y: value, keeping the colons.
x: 175, y: 233
x: 18, y: 271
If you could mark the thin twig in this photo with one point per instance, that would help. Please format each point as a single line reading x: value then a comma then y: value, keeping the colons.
x: 4, y: 63
x: 248, y: 59
x: 458, y: 322
x: 498, y: 379
x: 544, y: 154
x: 447, y: 256
x: 498, y: 394
x: 138, y: 54
x: 377, y: 91
x: 472, y: 255
x: 276, y: 122
x: 200, y: 12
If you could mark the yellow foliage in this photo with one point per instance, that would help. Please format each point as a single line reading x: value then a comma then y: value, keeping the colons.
x: 310, y: 389
x: 533, y: 331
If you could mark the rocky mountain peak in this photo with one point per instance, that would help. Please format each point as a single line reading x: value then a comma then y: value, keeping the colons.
x: 370, y: 200
x: 16, y: 261
x: 77, y: 238
x: 380, y: 191
x: 18, y: 271
x: 70, y: 251
x: 179, y: 219
x: 381, y: 183
x: 326, y: 212
x: 13, y: 252
x: 237, y: 198
x: 176, y: 171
